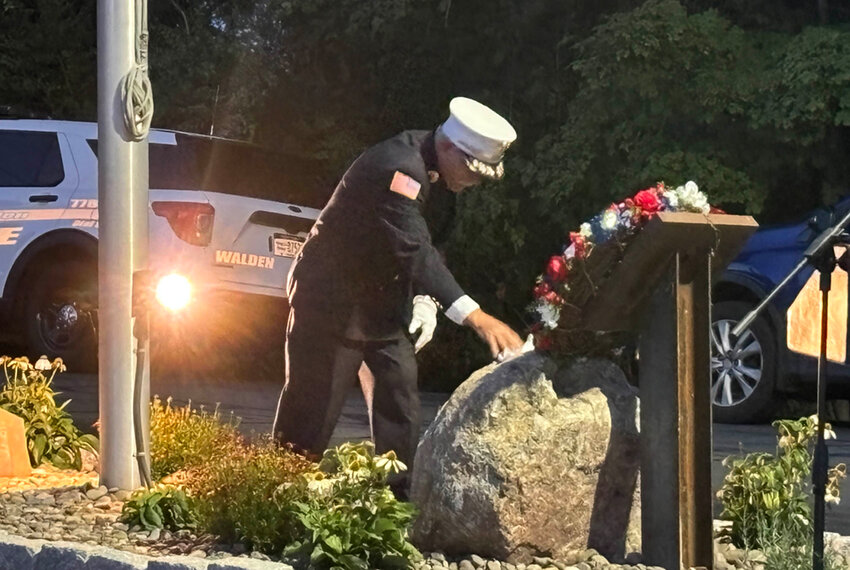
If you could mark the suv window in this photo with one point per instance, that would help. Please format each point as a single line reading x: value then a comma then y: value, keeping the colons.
x: 30, y: 158
x: 229, y: 167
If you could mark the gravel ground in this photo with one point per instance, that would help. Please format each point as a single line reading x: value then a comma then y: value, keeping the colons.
x: 68, y: 505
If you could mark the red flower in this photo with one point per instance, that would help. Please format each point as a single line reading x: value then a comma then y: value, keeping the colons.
x: 648, y: 202
x: 556, y: 270
x: 553, y: 298
x: 580, y: 245
x: 543, y: 342
x: 716, y: 211
x: 541, y: 290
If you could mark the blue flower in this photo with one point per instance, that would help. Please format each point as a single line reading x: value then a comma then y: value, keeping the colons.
x: 670, y: 201
x: 600, y: 233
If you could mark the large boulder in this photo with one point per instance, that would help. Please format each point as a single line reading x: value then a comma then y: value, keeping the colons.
x: 527, y: 460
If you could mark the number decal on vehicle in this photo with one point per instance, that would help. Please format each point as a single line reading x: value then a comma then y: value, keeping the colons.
x: 84, y: 203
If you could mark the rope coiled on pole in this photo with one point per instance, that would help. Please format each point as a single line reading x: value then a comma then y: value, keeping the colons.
x: 136, y: 89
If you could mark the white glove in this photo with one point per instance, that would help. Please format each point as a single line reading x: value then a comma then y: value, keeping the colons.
x: 424, y: 319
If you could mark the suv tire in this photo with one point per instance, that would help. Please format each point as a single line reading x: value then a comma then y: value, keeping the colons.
x: 59, y: 314
x: 743, y: 369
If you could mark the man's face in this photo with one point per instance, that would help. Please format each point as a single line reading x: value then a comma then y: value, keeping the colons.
x: 451, y: 162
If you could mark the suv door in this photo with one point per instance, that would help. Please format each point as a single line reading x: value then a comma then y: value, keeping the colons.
x: 37, y: 179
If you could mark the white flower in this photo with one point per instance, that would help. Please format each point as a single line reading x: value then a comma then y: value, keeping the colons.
x: 691, y: 199
x: 702, y: 205
x: 831, y: 499
x: 320, y: 484
x: 549, y: 314
x: 42, y: 364
x: 609, y: 220
x: 585, y: 230
x: 390, y: 463
x: 672, y: 198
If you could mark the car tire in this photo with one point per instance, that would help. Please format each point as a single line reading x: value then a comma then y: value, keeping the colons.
x: 743, y: 369
x: 59, y: 314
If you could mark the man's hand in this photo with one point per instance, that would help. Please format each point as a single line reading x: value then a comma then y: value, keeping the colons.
x: 424, y: 318
x: 499, y: 336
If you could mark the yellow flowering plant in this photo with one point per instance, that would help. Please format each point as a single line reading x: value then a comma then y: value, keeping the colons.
x: 767, y: 496
x: 183, y: 437
x: 51, y: 435
x: 350, y: 518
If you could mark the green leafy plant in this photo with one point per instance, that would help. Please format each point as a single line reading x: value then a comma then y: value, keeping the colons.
x: 50, y: 431
x: 163, y: 506
x: 235, y: 494
x: 183, y: 437
x: 350, y: 518
x: 767, y: 497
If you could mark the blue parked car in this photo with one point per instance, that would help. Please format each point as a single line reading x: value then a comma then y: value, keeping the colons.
x: 753, y: 372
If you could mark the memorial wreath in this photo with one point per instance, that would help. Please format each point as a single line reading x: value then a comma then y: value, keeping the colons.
x: 571, y: 278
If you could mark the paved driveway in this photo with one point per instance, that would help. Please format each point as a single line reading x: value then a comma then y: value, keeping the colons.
x: 255, y: 402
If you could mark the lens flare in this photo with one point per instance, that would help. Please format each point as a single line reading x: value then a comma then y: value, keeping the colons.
x: 174, y: 292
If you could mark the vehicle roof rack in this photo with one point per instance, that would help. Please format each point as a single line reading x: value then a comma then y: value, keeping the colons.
x: 15, y: 112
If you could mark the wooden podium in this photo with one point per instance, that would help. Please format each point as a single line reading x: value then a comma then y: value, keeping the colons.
x: 662, y: 288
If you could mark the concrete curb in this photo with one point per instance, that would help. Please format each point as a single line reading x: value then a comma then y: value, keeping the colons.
x: 18, y: 553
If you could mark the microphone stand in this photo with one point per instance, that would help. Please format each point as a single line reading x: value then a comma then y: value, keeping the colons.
x: 820, y: 255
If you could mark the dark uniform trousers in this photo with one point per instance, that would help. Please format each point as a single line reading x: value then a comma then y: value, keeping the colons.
x: 350, y: 289
x: 326, y: 366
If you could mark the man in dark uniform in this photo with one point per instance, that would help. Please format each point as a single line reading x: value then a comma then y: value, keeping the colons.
x: 370, y: 251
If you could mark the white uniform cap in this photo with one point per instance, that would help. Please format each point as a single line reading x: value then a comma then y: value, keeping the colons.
x: 481, y: 133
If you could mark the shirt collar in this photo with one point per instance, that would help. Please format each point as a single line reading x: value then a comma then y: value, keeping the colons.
x: 429, y: 152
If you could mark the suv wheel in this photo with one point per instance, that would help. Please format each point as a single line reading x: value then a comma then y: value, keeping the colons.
x: 60, y: 314
x: 743, y: 369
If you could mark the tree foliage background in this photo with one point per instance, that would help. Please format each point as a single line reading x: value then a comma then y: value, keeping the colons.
x: 750, y: 98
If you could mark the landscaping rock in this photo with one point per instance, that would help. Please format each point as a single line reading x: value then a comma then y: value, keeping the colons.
x: 103, y: 502
x: 16, y: 552
x: 116, y: 560
x: 177, y: 563
x: 122, y: 495
x: 97, y: 493
x: 247, y: 564
x: 62, y: 556
x: 516, y: 447
x: 91, y: 461
x: 841, y: 546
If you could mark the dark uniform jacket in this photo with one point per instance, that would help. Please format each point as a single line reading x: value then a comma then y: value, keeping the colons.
x: 371, y: 249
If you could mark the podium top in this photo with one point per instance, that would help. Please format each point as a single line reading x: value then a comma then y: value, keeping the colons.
x: 614, y: 305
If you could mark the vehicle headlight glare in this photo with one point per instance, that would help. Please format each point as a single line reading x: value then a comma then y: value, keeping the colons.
x: 174, y: 292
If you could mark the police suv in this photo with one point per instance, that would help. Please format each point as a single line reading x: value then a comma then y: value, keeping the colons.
x: 226, y: 218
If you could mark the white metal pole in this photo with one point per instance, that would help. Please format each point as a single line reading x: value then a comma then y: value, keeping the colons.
x: 115, y: 57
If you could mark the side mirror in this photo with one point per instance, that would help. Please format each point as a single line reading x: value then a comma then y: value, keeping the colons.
x: 821, y: 219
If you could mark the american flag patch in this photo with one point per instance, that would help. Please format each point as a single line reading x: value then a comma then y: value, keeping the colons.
x: 405, y: 185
